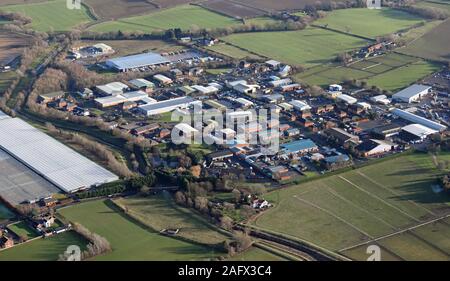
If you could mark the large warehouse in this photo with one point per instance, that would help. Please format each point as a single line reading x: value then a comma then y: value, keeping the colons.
x: 124, y: 64
x: 166, y: 106
x: 52, y: 160
x: 412, y: 94
x: 419, y: 120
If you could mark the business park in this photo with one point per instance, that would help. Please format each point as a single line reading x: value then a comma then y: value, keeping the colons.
x: 34, y: 166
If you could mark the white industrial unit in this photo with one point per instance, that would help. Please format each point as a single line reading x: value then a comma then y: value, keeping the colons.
x: 412, y: 94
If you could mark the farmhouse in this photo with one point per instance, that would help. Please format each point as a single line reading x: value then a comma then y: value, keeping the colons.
x: 166, y: 106
x: 412, y: 94
x: 55, y: 162
x: 124, y: 64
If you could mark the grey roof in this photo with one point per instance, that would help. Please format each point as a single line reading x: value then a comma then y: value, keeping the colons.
x: 418, y: 119
x: 3, y: 115
x: 168, y: 103
x: 411, y: 91
x: 54, y: 161
x: 136, y: 61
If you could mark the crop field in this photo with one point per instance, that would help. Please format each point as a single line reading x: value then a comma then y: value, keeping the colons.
x: 114, y: 9
x: 434, y: 45
x: 16, y: 2
x: 232, y: 9
x: 257, y: 254
x: 391, y: 204
x: 45, y: 249
x: 308, y: 47
x: 369, y: 23
x: 159, y: 212
x: 51, y: 15
x: 389, y: 72
x: 11, y: 46
x: 129, y: 240
x: 232, y: 51
x: 185, y: 17
x: 279, y: 5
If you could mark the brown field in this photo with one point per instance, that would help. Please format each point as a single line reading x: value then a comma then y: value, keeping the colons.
x: 434, y: 45
x: 113, y: 9
x: 171, y: 3
x: 11, y: 46
x: 18, y: 2
x: 232, y: 9
x: 277, y: 5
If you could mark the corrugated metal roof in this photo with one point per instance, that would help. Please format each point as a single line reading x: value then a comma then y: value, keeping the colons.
x: 299, y: 145
x: 3, y: 115
x: 411, y: 91
x: 137, y: 61
x: 60, y: 165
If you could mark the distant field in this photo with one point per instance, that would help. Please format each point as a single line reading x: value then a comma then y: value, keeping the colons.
x: 345, y: 211
x: 114, y: 9
x: 279, y: 5
x: 160, y: 212
x: 434, y: 45
x: 129, y: 240
x: 51, y: 15
x: 369, y: 23
x: 6, y: 79
x: 232, y: 9
x: 389, y: 72
x: 15, y: 2
x: 185, y: 17
x: 11, y: 46
x: 47, y: 249
x: 232, y: 51
x: 307, y: 47
x: 257, y: 254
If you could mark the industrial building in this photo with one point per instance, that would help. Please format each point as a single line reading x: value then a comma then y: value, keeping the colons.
x: 162, y: 80
x: 419, y: 120
x: 124, y: 64
x: 347, y: 99
x: 52, y: 160
x: 299, y: 146
x: 412, y: 94
x: 109, y: 101
x: 166, y: 106
x: 111, y: 89
x: 416, y: 132
x: 299, y: 105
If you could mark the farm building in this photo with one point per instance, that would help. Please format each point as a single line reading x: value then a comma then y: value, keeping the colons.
x: 124, y: 64
x: 166, y: 106
x: 299, y: 146
x: 55, y: 162
x: 419, y: 120
x: 112, y: 89
x: 162, y: 80
x: 412, y: 94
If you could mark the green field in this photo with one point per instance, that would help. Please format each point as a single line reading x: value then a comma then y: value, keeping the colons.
x: 160, y: 212
x: 389, y: 72
x: 51, y: 16
x: 343, y: 211
x: 45, y: 249
x: 6, y: 79
x: 129, y: 240
x: 369, y: 23
x: 5, y: 213
x: 186, y: 17
x: 403, y: 76
x: 22, y: 229
x: 232, y: 51
x: 257, y: 254
x: 308, y: 47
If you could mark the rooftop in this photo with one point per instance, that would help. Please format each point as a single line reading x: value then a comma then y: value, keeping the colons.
x: 136, y: 61
x: 299, y: 145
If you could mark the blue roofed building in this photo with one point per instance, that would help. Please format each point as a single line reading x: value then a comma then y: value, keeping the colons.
x: 124, y: 64
x: 299, y: 147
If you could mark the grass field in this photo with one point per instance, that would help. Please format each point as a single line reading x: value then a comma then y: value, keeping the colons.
x: 47, y: 249
x: 22, y: 229
x: 51, y: 15
x: 6, y: 79
x: 129, y: 240
x: 5, y: 213
x: 308, y: 47
x: 344, y: 212
x: 232, y: 51
x: 389, y: 72
x: 159, y: 212
x: 369, y: 23
x: 257, y: 254
x: 186, y: 17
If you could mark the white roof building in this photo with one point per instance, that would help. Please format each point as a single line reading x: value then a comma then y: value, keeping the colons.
x: 122, y: 98
x: 381, y: 99
x: 299, y: 105
x: 281, y: 82
x: 57, y: 163
x: 412, y: 94
x: 418, y: 130
x: 162, y: 79
x: 419, y: 120
x: 286, y: 106
x: 244, y: 102
x: 347, y: 99
x: 166, y: 105
x: 141, y: 83
x: 205, y: 90
x: 112, y: 89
